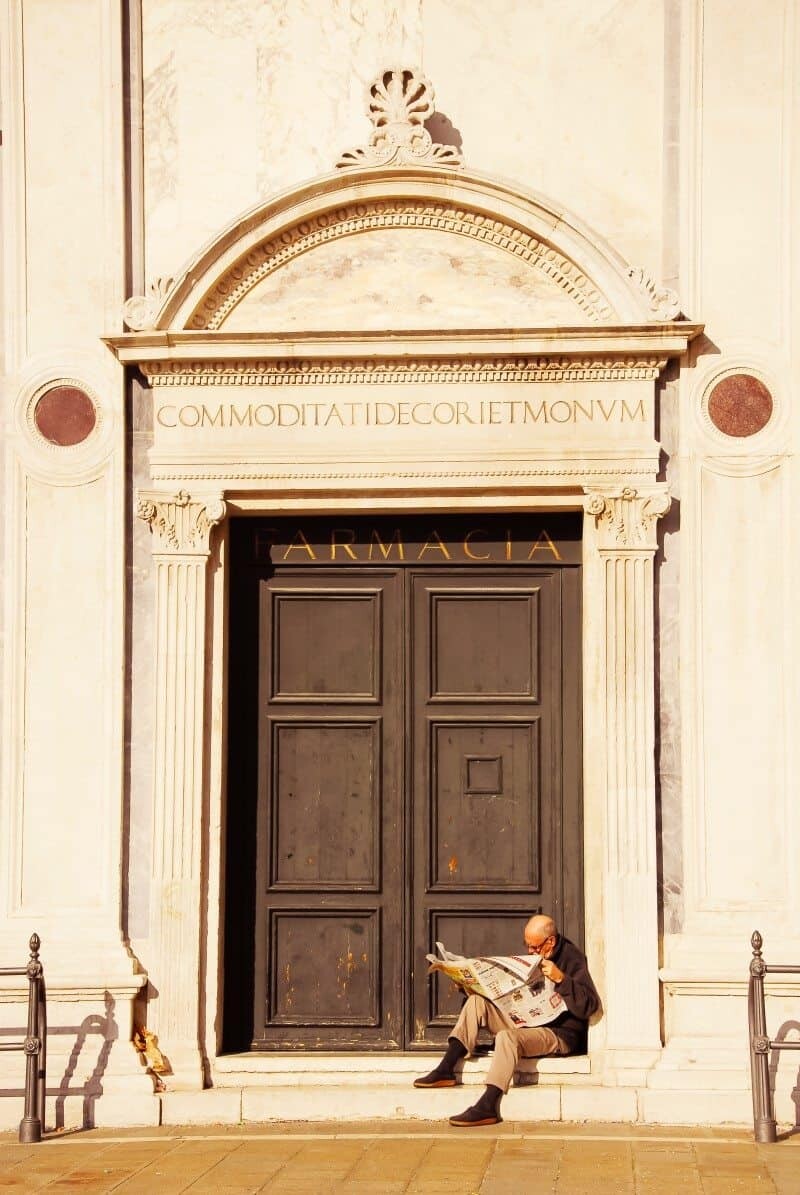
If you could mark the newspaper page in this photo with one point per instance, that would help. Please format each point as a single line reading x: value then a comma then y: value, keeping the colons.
x: 514, y: 983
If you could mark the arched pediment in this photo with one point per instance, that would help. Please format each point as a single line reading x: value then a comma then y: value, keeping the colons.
x: 403, y: 248
x: 401, y: 323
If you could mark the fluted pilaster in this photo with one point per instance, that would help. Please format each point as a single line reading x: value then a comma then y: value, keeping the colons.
x: 181, y: 527
x: 624, y: 527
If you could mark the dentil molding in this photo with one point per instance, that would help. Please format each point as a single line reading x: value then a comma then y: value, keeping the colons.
x: 417, y: 371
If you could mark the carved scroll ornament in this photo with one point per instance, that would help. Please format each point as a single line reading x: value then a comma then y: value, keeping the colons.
x: 663, y: 302
x: 401, y: 100
x: 140, y: 312
x: 181, y: 524
x: 627, y: 518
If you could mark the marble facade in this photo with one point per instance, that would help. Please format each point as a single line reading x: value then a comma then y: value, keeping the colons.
x: 273, y: 306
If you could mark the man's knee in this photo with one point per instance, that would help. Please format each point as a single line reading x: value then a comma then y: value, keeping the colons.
x: 475, y: 1005
x: 506, y: 1042
x: 471, y: 1004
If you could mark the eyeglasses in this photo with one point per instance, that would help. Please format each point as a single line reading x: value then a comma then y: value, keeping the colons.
x: 536, y: 946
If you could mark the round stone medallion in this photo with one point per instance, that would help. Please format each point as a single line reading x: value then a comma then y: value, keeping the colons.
x: 65, y: 416
x: 740, y: 405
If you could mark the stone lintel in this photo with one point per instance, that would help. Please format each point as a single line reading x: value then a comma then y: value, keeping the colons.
x: 667, y: 339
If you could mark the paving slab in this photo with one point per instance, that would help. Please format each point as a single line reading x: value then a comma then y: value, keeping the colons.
x: 402, y: 1158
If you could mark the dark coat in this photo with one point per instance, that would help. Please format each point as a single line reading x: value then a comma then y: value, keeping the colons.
x: 578, y: 993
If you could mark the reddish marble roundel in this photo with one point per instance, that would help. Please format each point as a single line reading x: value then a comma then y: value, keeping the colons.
x: 65, y: 416
x: 740, y: 405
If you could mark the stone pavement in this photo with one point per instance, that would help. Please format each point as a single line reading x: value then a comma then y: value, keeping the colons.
x: 411, y: 1156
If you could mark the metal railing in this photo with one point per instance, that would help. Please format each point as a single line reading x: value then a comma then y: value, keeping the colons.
x: 33, y: 1045
x: 764, y: 1126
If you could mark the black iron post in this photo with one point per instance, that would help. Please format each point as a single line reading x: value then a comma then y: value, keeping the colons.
x: 30, y: 1127
x: 764, y: 1126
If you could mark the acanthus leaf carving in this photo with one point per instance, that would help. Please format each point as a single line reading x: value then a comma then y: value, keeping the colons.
x: 627, y: 518
x: 140, y: 312
x: 401, y: 100
x: 662, y: 301
x: 180, y: 523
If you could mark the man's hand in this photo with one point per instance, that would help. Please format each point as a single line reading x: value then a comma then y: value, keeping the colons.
x: 552, y: 972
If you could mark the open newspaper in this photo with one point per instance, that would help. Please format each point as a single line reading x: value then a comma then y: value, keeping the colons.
x: 514, y: 983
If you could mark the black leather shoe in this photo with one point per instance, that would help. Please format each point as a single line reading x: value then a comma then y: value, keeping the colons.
x: 436, y: 1078
x: 474, y: 1117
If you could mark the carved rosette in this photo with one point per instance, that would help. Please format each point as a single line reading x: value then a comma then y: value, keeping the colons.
x: 180, y: 524
x: 627, y: 518
x: 400, y: 101
x: 140, y: 312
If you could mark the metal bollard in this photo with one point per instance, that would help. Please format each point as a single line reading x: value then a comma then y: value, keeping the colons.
x: 764, y: 1126
x: 33, y: 1045
x: 30, y: 1127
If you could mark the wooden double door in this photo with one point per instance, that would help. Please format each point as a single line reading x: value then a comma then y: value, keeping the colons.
x: 405, y: 769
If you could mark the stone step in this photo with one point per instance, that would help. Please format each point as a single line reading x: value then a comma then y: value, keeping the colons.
x: 371, y: 1102
x: 705, y: 1079
x: 320, y: 1070
x: 392, y: 1102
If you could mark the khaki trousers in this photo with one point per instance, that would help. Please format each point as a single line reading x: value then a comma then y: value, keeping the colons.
x: 510, y: 1042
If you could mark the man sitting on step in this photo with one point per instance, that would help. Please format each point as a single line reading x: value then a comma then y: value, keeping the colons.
x: 565, y: 965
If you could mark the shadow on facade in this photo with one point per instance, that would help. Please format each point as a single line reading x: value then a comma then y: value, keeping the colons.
x: 94, y: 1038
x: 443, y: 131
x: 787, y: 1031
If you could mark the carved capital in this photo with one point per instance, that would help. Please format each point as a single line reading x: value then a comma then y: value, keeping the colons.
x: 627, y: 518
x: 400, y: 101
x: 181, y: 524
x: 140, y: 312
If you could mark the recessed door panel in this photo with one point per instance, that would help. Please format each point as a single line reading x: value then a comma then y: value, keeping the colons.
x: 484, y: 644
x: 326, y: 644
x: 324, y: 969
x: 484, y: 805
x: 326, y: 804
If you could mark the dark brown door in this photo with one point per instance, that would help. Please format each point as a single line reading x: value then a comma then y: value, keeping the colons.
x: 487, y: 767
x: 404, y: 766
x: 329, y: 953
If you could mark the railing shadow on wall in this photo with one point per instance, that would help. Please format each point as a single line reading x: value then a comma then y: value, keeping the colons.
x: 97, y: 1032
x: 763, y: 1067
x: 781, y: 1037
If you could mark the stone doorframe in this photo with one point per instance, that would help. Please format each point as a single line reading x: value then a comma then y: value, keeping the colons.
x: 204, y: 469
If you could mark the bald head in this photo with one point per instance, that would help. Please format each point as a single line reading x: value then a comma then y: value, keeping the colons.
x: 540, y: 935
